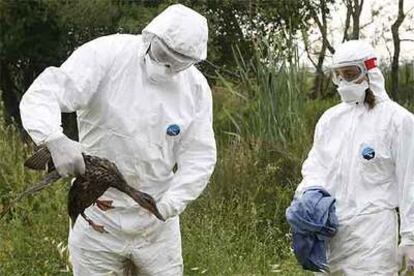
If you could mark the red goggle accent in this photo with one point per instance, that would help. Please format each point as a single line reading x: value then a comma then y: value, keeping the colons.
x: 370, y: 63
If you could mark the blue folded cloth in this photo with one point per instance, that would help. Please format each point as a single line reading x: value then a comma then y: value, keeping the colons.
x: 313, y: 222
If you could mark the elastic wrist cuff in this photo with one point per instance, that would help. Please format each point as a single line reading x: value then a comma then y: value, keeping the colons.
x: 165, y: 209
x: 55, y: 135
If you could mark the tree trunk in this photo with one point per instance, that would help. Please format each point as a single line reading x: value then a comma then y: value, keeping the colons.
x: 396, y: 40
x: 318, y: 87
x: 8, y: 94
x: 347, y: 19
x: 252, y: 8
x: 319, y: 70
x: 356, y: 14
x: 323, y: 28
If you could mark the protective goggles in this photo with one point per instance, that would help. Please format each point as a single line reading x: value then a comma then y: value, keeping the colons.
x: 352, y: 72
x: 160, y: 53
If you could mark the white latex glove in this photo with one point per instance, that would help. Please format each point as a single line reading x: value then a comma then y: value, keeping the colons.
x: 406, y: 253
x: 66, y: 154
x: 165, y: 210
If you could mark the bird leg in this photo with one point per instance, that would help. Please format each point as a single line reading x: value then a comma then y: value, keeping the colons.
x: 95, y: 226
x: 104, y: 205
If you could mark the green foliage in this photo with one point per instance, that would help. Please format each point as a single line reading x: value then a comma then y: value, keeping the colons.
x: 405, y: 94
x: 237, y: 226
x: 271, y: 100
x: 32, y: 234
x: 36, y: 34
x: 26, y: 30
x: 242, y: 23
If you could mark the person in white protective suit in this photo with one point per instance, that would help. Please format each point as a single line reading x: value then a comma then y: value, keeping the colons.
x: 142, y: 104
x: 363, y: 155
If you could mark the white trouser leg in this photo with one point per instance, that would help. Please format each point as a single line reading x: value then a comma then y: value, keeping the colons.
x: 87, y: 262
x: 160, y: 255
x: 94, y: 253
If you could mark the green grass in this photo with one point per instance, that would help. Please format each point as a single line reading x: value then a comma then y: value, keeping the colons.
x: 237, y: 226
x: 31, y: 233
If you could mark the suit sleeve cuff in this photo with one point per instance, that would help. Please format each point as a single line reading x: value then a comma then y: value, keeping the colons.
x: 55, y: 135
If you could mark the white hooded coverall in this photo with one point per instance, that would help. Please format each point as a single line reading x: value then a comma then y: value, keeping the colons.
x: 124, y: 116
x: 367, y: 192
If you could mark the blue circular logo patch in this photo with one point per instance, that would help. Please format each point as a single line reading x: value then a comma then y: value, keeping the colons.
x: 173, y: 130
x: 368, y: 153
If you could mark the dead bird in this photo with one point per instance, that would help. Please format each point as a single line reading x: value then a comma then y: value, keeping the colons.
x: 100, y: 174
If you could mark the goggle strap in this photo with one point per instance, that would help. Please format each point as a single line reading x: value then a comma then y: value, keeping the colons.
x: 370, y: 63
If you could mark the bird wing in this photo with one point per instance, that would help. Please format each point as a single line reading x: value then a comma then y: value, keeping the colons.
x: 48, y: 180
x: 39, y: 159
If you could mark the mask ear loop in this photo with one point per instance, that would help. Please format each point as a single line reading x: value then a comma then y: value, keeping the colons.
x: 147, y: 52
x: 149, y: 43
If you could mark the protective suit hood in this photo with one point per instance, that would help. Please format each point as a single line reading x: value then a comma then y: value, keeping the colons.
x: 182, y: 29
x: 358, y: 50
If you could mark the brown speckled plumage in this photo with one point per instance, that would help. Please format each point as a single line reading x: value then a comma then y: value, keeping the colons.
x: 100, y: 174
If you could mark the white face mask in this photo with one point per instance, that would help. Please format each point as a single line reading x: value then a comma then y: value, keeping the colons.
x: 157, y: 72
x: 352, y: 92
